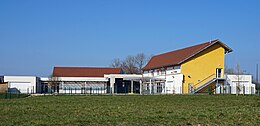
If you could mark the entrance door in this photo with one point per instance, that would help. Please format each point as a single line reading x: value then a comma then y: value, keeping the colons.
x: 218, y: 72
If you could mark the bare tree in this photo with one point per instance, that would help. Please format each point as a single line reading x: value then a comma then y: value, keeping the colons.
x: 238, y: 73
x: 141, y: 60
x: 129, y: 65
x: 116, y: 63
x: 53, y: 83
x: 229, y: 70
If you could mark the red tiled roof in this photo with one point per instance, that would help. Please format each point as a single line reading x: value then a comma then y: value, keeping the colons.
x: 179, y: 56
x: 84, y: 71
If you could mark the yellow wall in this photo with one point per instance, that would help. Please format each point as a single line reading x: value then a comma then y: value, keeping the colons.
x: 203, y: 65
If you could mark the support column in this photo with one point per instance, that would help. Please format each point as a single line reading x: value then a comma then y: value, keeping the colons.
x: 112, y: 82
x: 85, y: 87
x: 150, y: 86
x: 132, y: 86
x: 62, y: 87
x: 140, y: 89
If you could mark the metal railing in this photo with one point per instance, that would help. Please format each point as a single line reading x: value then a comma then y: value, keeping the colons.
x: 202, y: 83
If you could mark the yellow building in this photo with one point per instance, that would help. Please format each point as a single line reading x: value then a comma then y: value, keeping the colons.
x: 189, y: 70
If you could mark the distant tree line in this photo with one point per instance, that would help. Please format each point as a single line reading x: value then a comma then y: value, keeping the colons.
x: 132, y: 64
x: 235, y: 71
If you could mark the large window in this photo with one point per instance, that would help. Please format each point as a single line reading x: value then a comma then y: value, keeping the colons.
x: 159, y: 87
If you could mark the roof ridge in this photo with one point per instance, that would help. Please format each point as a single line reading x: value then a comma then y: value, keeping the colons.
x: 188, y: 47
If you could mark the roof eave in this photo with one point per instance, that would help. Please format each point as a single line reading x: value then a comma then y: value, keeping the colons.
x: 152, y: 68
x: 228, y: 49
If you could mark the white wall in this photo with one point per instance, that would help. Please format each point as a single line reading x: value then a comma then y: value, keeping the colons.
x: 24, y: 79
x: 159, y: 72
x: 173, y: 78
x: 173, y: 84
x: 232, y: 81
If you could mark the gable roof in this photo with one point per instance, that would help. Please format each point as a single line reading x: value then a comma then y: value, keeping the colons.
x: 84, y: 71
x: 181, y: 55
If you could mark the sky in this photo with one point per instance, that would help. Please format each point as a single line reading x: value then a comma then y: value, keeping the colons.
x: 36, y: 35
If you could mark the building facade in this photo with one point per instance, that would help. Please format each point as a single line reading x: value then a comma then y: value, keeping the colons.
x: 189, y: 70
x: 91, y: 80
x: 237, y: 84
x: 23, y: 84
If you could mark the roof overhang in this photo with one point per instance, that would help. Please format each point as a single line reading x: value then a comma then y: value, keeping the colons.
x: 227, y: 48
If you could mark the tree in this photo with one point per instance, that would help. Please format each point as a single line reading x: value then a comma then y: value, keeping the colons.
x: 229, y: 70
x: 234, y: 71
x: 141, y: 60
x: 116, y: 63
x: 238, y: 72
x: 131, y: 64
x: 54, y: 83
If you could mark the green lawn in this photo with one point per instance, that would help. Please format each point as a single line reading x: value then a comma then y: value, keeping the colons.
x: 131, y: 110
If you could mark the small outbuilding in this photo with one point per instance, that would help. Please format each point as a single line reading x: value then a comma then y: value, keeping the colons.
x: 241, y: 84
x: 23, y: 84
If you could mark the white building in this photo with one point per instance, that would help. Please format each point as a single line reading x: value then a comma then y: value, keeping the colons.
x: 23, y: 84
x: 168, y: 81
x: 90, y: 80
x: 237, y: 83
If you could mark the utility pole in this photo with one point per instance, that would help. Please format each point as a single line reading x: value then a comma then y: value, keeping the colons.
x: 256, y: 72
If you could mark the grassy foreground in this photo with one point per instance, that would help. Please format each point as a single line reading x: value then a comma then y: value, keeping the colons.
x: 131, y: 110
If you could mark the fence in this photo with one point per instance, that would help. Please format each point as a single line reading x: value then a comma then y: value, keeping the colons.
x: 11, y: 95
x: 227, y: 89
x: 144, y: 89
x: 91, y: 90
x: 160, y: 89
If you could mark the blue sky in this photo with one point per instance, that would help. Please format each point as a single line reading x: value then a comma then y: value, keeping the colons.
x: 37, y: 35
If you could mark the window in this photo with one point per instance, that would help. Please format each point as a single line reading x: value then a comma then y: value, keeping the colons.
x: 163, y: 72
x: 159, y: 88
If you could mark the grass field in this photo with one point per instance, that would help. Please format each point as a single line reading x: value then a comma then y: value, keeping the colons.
x: 131, y: 110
